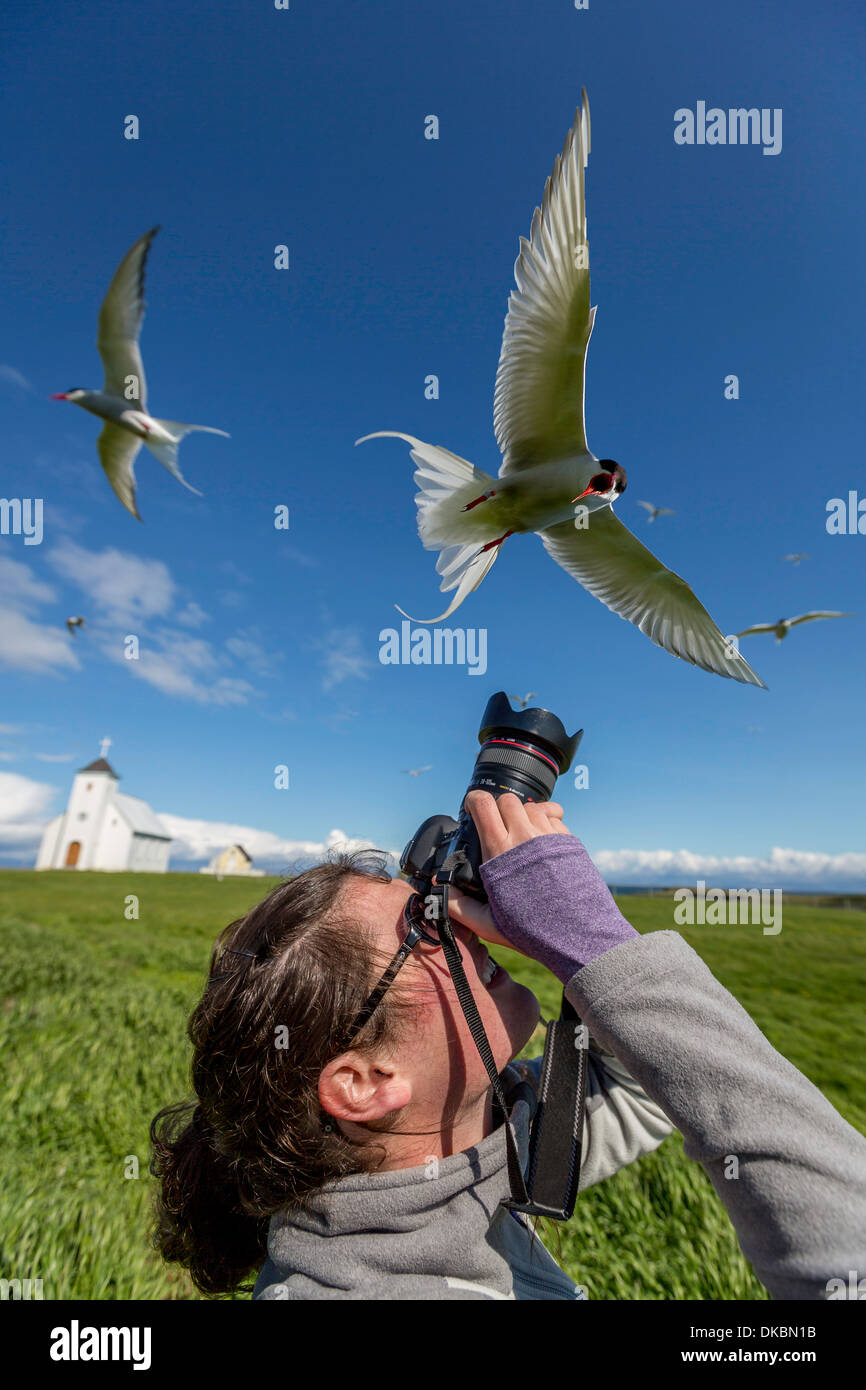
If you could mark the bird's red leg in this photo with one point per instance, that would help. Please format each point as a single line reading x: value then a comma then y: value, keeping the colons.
x: 483, y: 498
x: 491, y: 544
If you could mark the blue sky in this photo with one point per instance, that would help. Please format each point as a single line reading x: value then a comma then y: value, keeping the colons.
x: 260, y: 647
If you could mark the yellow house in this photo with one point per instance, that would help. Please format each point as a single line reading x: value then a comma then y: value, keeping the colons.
x: 233, y: 860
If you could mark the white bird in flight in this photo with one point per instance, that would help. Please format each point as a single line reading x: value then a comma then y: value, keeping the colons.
x: 795, y: 559
x: 784, y: 625
x: 73, y: 623
x: 655, y: 511
x: 547, y: 467
x: 122, y: 402
x: 414, y: 771
x: 523, y: 700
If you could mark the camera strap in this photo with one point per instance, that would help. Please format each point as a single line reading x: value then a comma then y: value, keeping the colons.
x: 476, y: 1027
x: 556, y: 1136
x: 557, y: 1130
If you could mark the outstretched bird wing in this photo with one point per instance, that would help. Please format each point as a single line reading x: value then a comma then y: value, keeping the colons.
x: 538, y: 401
x: 613, y: 565
x: 758, y: 627
x: 117, y: 452
x: 809, y: 617
x: 649, y: 506
x: 120, y: 324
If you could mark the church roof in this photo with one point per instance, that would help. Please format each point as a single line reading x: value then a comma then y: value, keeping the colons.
x: 139, y: 817
x: 100, y: 765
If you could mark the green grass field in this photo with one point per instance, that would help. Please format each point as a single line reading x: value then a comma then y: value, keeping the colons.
x: 93, y: 1019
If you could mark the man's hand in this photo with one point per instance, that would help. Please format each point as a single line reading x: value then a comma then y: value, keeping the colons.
x: 509, y: 821
x: 501, y: 825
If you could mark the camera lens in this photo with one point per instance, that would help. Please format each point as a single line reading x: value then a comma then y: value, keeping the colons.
x: 522, y: 752
x: 514, y: 765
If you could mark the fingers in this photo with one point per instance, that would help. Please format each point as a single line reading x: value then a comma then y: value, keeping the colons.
x: 515, y: 818
x: 492, y: 832
x: 508, y: 822
x: 471, y: 913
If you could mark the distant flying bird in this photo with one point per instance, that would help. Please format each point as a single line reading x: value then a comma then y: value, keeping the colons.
x: 655, y: 511
x: 466, y: 514
x: 784, y: 625
x: 795, y: 559
x: 523, y: 700
x: 73, y: 623
x: 414, y: 771
x: 122, y: 402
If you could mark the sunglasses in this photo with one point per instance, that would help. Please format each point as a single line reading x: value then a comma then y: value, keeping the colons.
x: 414, y: 914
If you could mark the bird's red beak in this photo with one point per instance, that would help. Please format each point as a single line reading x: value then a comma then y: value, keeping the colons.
x: 61, y: 396
x: 581, y: 494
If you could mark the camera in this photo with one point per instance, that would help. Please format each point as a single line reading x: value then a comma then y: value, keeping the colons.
x: 522, y: 751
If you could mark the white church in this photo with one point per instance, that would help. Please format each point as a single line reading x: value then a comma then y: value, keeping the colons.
x: 102, y: 828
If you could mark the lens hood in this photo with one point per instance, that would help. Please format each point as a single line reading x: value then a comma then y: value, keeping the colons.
x: 538, y: 725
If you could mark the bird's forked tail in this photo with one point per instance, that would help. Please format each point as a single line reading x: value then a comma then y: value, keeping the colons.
x: 447, y: 485
x: 166, y: 450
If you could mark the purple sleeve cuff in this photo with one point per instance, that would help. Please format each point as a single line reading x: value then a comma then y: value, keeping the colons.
x: 550, y: 901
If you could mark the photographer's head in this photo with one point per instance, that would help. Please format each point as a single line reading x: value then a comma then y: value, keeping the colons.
x: 430, y: 1094
x: 282, y: 1108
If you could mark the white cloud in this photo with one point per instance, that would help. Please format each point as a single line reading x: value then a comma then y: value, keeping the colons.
x: 54, y: 757
x: 13, y: 375
x: 25, y: 644
x: 201, y: 839
x: 130, y: 596
x: 803, y: 869
x: 247, y: 648
x: 127, y: 589
x: 193, y: 615
x: 343, y: 657
x: 120, y: 595
x: 20, y: 586
x: 25, y: 808
x: 232, y: 599
x: 29, y: 646
x: 165, y: 671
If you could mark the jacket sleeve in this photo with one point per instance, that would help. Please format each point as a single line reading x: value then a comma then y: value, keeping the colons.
x: 789, y: 1169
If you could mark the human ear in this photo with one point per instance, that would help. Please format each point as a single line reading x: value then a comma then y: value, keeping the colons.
x: 358, y: 1088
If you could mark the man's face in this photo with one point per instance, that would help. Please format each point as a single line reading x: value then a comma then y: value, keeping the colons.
x: 437, y: 1054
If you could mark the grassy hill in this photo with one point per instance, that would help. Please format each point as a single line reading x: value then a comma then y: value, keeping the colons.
x: 92, y: 1026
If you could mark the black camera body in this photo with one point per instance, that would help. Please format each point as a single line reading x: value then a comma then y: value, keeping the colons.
x: 522, y: 751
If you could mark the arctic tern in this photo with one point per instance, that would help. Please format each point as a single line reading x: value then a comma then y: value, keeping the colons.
x: 547, y: 469
x: 784, y: 625
x: 122, y: 402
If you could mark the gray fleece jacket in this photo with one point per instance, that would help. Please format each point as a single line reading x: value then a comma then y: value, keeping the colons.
x: 669, y: 1047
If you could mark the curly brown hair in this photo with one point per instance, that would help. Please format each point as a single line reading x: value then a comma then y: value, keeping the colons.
x: 285, y: 983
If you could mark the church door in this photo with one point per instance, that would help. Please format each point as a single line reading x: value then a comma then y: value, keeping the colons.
x: 72, y: 854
